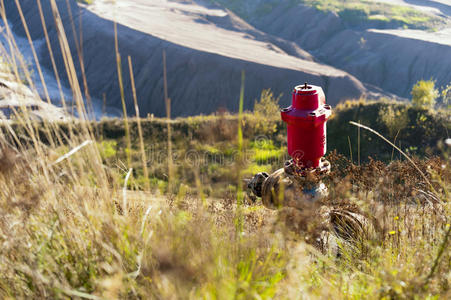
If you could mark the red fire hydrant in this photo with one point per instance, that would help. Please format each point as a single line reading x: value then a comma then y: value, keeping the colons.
x: 298, y: 186
x: 300, y: 179
x: 306, y: 125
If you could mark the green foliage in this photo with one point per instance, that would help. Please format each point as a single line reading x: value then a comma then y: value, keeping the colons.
x: 446, y: 96
x: 268, y: 105
x: 424, y: 94
x: 424, y: 127
x: 266, y: 111
x: 213, y: 138
x: 395, y: 119
x: 266, y: 152
x: 86, y: 1
x: 69, y: 229
x: 107, y: 148
x: 359, y: 13
x: 255, y: 168
x: 264, y: 156
x: 160, y: 185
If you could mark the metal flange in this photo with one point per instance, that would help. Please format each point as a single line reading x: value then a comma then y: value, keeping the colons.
x: 305, y: 175
x: 291, y: 186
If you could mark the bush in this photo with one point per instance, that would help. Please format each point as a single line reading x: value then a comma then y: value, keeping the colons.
x: 424, y: 94
x: 394, y: 118
x: 446, y: 96
x: 268, y: 106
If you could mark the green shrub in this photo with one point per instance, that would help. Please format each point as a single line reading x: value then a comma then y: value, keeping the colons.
x: 268, y: 105
x: 364, y: 12
x: 424, y: 94
x: 446, y: 96
x: 267, y: 112
x: 358, y: 13
x: 395, y: 118
x: 107, y: 148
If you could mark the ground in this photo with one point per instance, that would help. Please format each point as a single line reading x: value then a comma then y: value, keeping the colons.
x: 74, y: 225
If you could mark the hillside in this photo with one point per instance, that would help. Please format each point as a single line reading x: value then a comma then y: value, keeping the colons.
x: 17, y: 100
x: 207, y: 48
x: 348, y: 51
x: 388, y: 44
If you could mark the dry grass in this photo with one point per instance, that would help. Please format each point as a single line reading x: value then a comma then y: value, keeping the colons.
x: 66, y: 233
x: 66, y: 230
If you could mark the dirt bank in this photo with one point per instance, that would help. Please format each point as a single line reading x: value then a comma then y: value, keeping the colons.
x: 207, y: 48
x: 393, y: 60
x: 17, y: 99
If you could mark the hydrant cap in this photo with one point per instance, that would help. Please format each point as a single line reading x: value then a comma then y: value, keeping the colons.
x: 308, y: 97
x: 305, y: 89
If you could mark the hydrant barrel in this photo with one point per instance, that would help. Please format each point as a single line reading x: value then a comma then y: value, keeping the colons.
x: 306, y: 125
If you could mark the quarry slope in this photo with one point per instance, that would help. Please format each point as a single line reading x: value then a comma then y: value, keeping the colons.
x: 207, y: 47
x: 391, y: 59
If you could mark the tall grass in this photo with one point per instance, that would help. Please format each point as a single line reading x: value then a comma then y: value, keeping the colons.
x: 240, y: 165
x: 167, y: 102
x: 138, y: 120
x: 69, y: 228
x: 121, y: 88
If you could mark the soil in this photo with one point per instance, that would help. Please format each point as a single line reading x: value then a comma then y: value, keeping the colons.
x: 207, y: 49
x: 391, y: 59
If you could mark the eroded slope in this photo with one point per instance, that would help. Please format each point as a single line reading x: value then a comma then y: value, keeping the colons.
x: 207, y: 48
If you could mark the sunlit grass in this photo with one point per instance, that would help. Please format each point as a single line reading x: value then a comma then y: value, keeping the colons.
x: 354, y: 12
x: 359, y: 12
x: 74, y: 225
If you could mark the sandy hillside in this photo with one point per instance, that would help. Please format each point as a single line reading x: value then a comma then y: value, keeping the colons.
x: 440, y: 8
x: 199, y: 27
x: 207, y: 49
x: 391, y: 59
